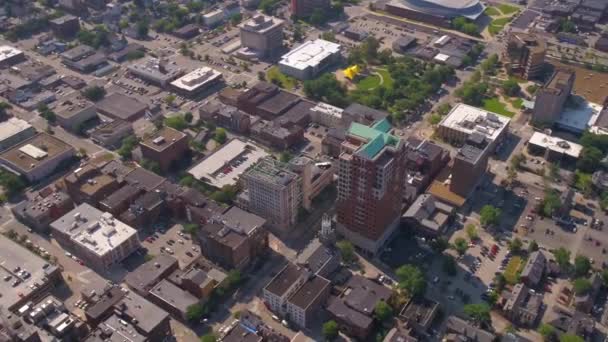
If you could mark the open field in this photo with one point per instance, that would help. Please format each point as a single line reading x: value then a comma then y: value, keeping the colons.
x: 495, y: 105
x: 512, y: 270
x: 275, y: 74
x: 507, y: 9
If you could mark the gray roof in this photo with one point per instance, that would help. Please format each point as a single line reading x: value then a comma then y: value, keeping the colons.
x: 467, y: 331
x: 535, y: 267
x: 147, y: 275
x: 242, y: 220
x: 144, y: 179
x: 147, y: 314
x: 173, y: 296
x: 315, y: 255
x: 120, y: 106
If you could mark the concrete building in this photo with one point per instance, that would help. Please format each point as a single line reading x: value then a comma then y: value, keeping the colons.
x: 14, y: 131
x: 310, y: 59
x: 37, y: 157
x: 524, y: 306
x: 275, y: 193
x: 438, y: 13
x: 166, y: 147
x: 226, y: 116
x: 316, y: 175
x: 120, y: 200
x: 143, y: 278
x: 372, y: 163
x: 88, y: 184
x: 111, y: 134
x: 262, y: 36
x: 525, y: 55
x: 199, y: 282
x: 10, y: 56
x: 249, y: 100
x: 554, y: 149
x: 304, y: 8
x: 427, y: 216
x: 551, y: 98
x: 123, y: 107
x: 425, y: 160
x: 73, y: 111
x: 282, y: 286
x: 173, y: 299
x: 97, y: 238
x: 45, y: 207
x: 156, y: 71
x: 21, y: 268
x: 326, y: 115
x: 197, y: 82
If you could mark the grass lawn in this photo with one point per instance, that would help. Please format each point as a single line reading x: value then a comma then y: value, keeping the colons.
x: 275, y: 74
x: 494, y: 105
x: 492, y: 11
x: 507, y: 9
x: 517, y: 103
x: 388, y: 80
x: 368, y: 83
x: 497, y: 25
x: 512, y: 270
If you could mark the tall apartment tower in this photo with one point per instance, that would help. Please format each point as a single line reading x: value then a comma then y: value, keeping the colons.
x: 305, y: 8
x: 370, y: 187
x: 525, y: 54
x: 262, y: 34
x: 550, y: 99
x: 275, y: 193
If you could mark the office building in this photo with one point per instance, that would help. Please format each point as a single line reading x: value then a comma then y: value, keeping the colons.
x: 14, y: 131
x: 123, y: 107
x: 554, y: 149
x: 89, y: 184
x: 45, y: 207
x: 370, y: 185
x: 173, y: 299
x: 73, y: 111
x: 143, y: 278
x: 10, y: 56
x: 427, y: 216
x: 97, y: 238
x: 213, y: 18
x: 551, y: 98
x: 166, y: 147
x: 197, y: 82
x: 305, y: 8
x: 111, y: 134
x: 262, y: 36
x: 525, y: 55
x: 275, y: 193
x: 37, y: 157
x: 308, y: 60
x: 156, y: 71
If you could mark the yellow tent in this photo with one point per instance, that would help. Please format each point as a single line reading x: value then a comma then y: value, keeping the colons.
x: 351, y: 72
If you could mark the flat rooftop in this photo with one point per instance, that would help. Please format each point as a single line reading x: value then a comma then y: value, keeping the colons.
x: 261, y: 23
x: 7, y: 52
x: 94, y: 230
x: 35, y: 151
x: 197, y: 78
x: 309, y: 54
x: 224, y: 166
x: 310, y: 290
x: 146, y: 275
x: 284, y: 279
x: 156, y: 69
x: 163, y: 138
x: 556, y: 144
x: 147, y: 314
x: 144, y: 179
x: 120, y: 330
x: 13, y: 126
x: 121, y: 106
x: 469, y: 119
x: 271, y: 171
x: 173, y: 295
x: 71, y: 105
x: 13, y: 255
x: 580, y: 118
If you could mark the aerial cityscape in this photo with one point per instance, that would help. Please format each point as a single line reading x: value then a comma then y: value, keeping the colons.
x: 303, y: 170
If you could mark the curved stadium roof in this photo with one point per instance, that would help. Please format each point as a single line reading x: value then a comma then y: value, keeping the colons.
x: 471, y: 9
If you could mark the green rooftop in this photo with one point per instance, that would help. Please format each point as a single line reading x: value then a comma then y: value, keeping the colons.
x: 376, y: 137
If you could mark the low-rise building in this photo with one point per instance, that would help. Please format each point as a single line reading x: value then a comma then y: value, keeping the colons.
x: 119, y: 106
x: 326, y: 115
x: 534, y: 270
x: 120, y: 200
x: 524, y: 306
x: 457, y: 329
x: 143, y: 278
x: 10, y: 56
x: 37, y: 157
x: 554, y: 149
x: 111, y: 134
x: 226, y: 116
x: 249, y: 100
x: 427, y: 216
x: 425, y: 160
x: 97, y: 238
x: 45, y: 207
x: 166, y: 147
x: 282, y: 286
x: 173, y: 299
x: 73, y: 111
x: 197, y: 82
x: 156, y: 71
x: 419, y: 314
x: 65, y: 26
x: 304, y: 304
x: 309, y: 59
x: 88, y: 184
x: 320, y: 259
x: 200, y: 283
x: 14, y: 131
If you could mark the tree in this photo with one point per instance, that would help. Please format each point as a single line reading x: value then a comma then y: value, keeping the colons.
x: 590, y: 159
x: 515, y: 245
x: 449, y: 265
x: 330, y: 330
x: 169, y: 99
x: 128, y: 144
x: 510, y: 87
x: 297, y: 32
x: 411, y: 279
x: 177, y: 122
x: 234, y: 278
x: 317, y: 17
x: 285, y: 156
x: 383, y: 312
x: 581, y: 286
x: 562, y: 257
x: 472, y: 93
x: 188, y: 117
x: 547, y: 331
x: 267, y: 6
x: 582, y: 265
x: 570, y: 338
x: 532, y: 246
x: 479, y: 313
x: 236, y: 18
x: 142, y: 29
x: 208, y: 338
x: 328, y: 89
x: 191, y: 228
x: 225, y: 195
x: 194, y: 312
x: 439, y: 244
x: 489, y: 215
x: 461, y: 246
x: 550, y: 203
x: 3, y: 109
x: 11, y: 183
x: 220, y: 135
x: 471, y: 231
x: 347, y: 251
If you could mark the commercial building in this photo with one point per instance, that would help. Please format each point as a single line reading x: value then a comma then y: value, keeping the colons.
x: 458, y: 329
x: 21, y: 269
x: 199, y: 282
x: 326, y: 115
x: 525, y: 55
x: 144, y: 179
x: 65, y: 26
x: 316, y: 175
x: 551, y: 98
x: 320, y: 259
x: 249, y: 100
x: 111, y: 134
x: 73, y: 111
x: 143, y: 278
x: 14, y: 131
x: 166, y: 147
x: 156, y: 71
x: 173, y: 299
x: 305, y: 8
x: 123, y: 107
x: 434, y: 12
x: 37, y: 157
x: 225, y: 166
x: 213, y: 18
x: 88, y: 184
x: 370, y: 185
x: 234, y: 238
x: 534, y: 270
x: 364, y: 115
x: 419, y: 314
x: 10, y: 56
x: 554, y: 149
x: 47, y: 206
x: 427, y: 216
x: 97, y: 238
x: 310, y: 59
x: 275, y: 193
x: 524, y: 306
x: 197, y: 82
x: 425, y: 160
x: 262, y: 36
x: 226, y: 116
x: 353, y: 308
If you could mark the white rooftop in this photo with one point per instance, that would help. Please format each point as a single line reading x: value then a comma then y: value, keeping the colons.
x: 441, y: 57
x: 309, y: 54
x: 7, y: 52
x: 33, y: 151
x: 225, y: 166
x: 260, y: 23
x: 578, y: 119
x: 556, y: 144
x: 11, y: 127
x: 328, y: 109
x: 196, y: 78
x: 469, y: 119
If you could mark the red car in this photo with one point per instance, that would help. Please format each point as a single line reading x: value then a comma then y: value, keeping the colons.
x: 494, y: 249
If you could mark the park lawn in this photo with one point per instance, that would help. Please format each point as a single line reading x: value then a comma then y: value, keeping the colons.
x: 494, y: 105
x: 285, y: 81
x: 512, y: 270
x: 497, y: 25
x: 517, y: 103
x: 492, y: 11
x: 507, y: 9
x: 368, y: 83
x: 388, y: 80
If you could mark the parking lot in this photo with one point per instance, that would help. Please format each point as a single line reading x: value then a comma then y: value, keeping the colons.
x: 173, y: 242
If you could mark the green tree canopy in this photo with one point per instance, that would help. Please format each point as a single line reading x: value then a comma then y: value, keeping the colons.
x: 510, y: 87
x: 562, y: 257
x: 411, y: 279
x: 582, y: 265
x: 177, y: 122
x: 220, y: 135
x: 460, y: 245
x: 383, y: 312
x: 330, y: 330
x: 347, y: 251
x: 581, y: 286
x: 195, y: 312
x: 570, y: 338
x: 515, y: 245
x: 489, y: 215
x: 479, y: 313
x: 208, y: 338
x: 547, y: 331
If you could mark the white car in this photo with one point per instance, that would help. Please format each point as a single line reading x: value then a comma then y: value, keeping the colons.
x: 68, y: 254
